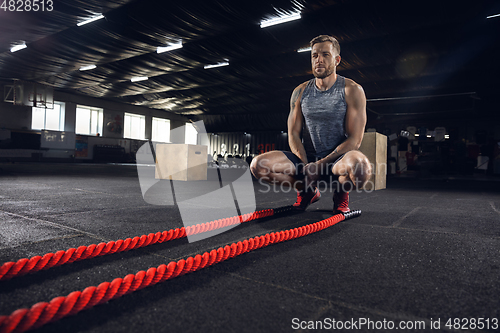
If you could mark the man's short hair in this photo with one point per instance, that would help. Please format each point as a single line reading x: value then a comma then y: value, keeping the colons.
x: 326, y: 38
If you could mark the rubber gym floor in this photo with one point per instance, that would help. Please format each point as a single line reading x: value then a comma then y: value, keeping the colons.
x: 423, y: 253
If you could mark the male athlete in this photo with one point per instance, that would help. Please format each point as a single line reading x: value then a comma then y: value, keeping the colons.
x: 325, y: 127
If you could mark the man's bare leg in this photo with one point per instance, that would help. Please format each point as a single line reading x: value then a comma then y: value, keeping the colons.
x: 354, y: 171
x: 275, y: 167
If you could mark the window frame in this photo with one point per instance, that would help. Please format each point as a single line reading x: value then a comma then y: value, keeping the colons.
x: 142, y: 125
x: 186, y: 134
x: 153, y: 136
x: 100, y: 120
x: 61, y: 120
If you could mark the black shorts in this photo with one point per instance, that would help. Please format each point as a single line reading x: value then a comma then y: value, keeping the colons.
x: 326, y: 175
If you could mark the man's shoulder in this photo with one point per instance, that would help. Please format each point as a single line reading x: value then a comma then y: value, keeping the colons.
x: 302, y: 85
x: 297, y: 92
x: 352, y: 86
x: 351, y: 83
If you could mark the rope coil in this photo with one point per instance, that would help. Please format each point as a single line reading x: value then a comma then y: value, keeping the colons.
x: 45, y: 312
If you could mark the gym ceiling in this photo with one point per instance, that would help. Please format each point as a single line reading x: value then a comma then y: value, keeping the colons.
x: 418, y: 61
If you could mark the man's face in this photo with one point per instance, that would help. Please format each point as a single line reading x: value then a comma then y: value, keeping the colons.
x: 324, y: 59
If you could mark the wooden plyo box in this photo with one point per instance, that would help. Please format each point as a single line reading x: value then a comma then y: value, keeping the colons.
x: 181, y: 162
x: 374, y: 146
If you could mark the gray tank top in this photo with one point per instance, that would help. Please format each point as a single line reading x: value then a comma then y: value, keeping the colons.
x: 324, y: 118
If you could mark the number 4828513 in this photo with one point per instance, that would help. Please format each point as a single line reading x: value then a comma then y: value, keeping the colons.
x: 472, y: 323
x: 27, y: 5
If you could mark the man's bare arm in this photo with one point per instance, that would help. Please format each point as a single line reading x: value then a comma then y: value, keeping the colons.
x: 295, y: 122
x: 355, y: 121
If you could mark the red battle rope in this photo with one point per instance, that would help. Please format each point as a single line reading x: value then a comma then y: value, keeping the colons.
x: 42, y: 313
x: 24, y: 266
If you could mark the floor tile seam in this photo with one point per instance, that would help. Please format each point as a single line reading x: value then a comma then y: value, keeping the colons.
x: 41, y: 241
x: 57, y: 196
x: 274, y: 203
x: 331, y: 302
x: 429, y: 231
x: 71, y: 188
x: 97, y: 192
x: 401, y: 220
x: 492, y: 204
x: 54, y: 224
x: 319, y: 313
x: 186, y: 203
x: 94, y: 211
x: 27, y: 182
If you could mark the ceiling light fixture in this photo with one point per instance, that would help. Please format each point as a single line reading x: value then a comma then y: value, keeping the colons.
x: 220, y: 64
x: 18, y: 47
x: 282, y: 18
x: 169, y: 47
x: 95, y: 18
x: 86, y: 68
x: 304, y: 49
x: 492, y: 16
x: 139, y: 78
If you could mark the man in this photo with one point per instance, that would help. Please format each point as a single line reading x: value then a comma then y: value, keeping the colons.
x: 325, y: 127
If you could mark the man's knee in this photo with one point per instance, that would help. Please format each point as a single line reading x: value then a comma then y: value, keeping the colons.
x: 356, y: 168
x: 259, y: 166
x: 254, y: 167
x: 361, y: 169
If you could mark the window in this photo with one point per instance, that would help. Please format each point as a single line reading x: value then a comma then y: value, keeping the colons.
x: 161, y: 130
x: 134, y: 126
x: 88, y: 120
x: 48, y: 119
x: 191, y: 134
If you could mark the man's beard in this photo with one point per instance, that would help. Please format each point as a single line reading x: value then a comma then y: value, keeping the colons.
x: 328, y: 71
